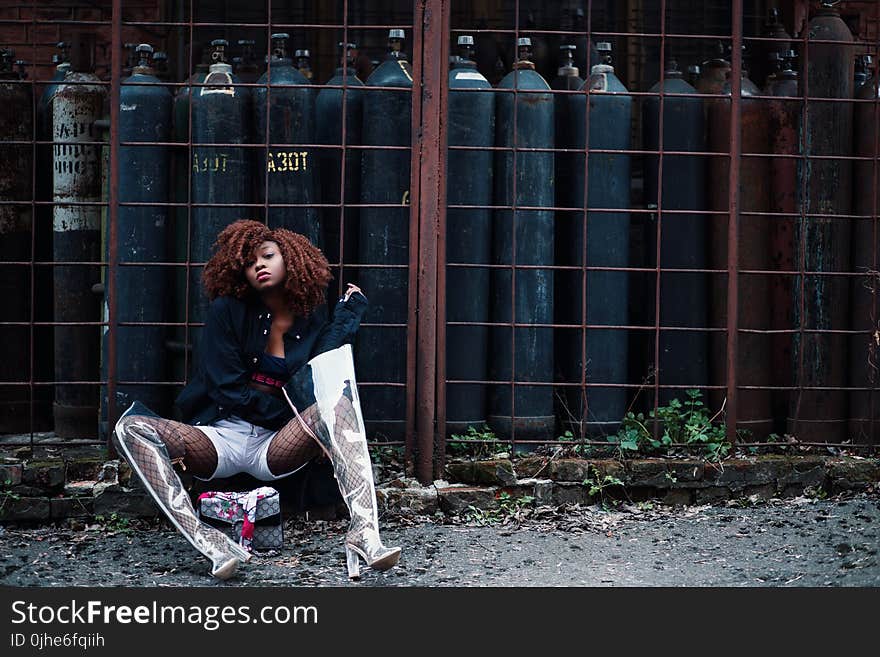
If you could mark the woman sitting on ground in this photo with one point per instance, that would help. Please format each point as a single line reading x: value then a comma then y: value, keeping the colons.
x: 274, y: 388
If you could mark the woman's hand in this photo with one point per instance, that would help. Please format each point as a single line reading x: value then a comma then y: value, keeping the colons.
x: 352, y: 288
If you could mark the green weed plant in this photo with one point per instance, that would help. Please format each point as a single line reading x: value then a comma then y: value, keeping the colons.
x: 509, y: 509
x: 7, y: 495
x: 477, y: 444
x: 114, y: 523
x: 684, y: 424
x: 597, y: 483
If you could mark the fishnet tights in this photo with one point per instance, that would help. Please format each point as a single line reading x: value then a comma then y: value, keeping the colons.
x: 184, y: 443
x: 292, y: 446
x: 139, y: 437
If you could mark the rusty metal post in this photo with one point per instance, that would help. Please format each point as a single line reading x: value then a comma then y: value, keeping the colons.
x: 427, y: 203
x: 661, y: 133
x: 733, y: 220
x: 875, y: 198
x: 412, y: 443
x: 112, y: 214
x: 439, y: 172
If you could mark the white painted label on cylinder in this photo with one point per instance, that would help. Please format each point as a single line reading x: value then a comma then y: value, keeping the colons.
x: 76, y: 217
x: 76, y: 166
x: 217, y: 81
x: 469, y: 75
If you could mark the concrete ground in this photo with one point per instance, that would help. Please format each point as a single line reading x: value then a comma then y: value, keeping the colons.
x: 796, y: 542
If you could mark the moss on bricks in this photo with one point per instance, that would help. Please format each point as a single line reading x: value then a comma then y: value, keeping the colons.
x: 44, y: 474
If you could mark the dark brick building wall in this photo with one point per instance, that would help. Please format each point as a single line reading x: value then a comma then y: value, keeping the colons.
x: 43, y: 24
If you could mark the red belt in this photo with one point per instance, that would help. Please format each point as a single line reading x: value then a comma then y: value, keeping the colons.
x: 267, y: 380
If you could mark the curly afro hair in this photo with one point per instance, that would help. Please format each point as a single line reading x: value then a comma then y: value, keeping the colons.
x: 308, y: 272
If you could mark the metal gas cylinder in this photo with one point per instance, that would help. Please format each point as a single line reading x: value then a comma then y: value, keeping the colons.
x: 181, y: 131
x: 567, y: 75
x: 863, y: 67
x: 220, y: 174
x: 864, y: 350
x: 288, y: 173
x: 785, y: 131
x: 183, y: 96
x: 384, y: 236
x: 340, y: 225
x: 713, y: 72
x: 160, y: 66
x: 76, y: 105
x: 469, y: 238
x: 775, y: 63
x: 822, y: 302
x: 753, y: 358
x: 246, y: 68
x: 16, y: 222
x: 762, y: 66
x: 524, y: 119
x: 142, y: 235
x: 683, y: 355
x: 183, y: 176
x: 712, y: 78
x: 600, y: 356
x: 567, y: 79
x: 568, y: 178
x: 304, y: 63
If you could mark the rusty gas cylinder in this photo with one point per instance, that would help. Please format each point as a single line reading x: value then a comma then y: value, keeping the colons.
x: 753, y: 353
x: 821, y: 302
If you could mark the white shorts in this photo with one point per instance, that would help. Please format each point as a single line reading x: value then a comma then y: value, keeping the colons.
x: 241, y: 447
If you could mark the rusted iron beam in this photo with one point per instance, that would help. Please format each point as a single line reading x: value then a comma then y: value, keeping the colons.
x: 412, y: 440
x: 439, y: 459
x: 733, y: 221
x: 113, y: 214
x: 427, y: 195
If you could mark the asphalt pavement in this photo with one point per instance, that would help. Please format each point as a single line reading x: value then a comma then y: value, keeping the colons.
x: 795, y: 542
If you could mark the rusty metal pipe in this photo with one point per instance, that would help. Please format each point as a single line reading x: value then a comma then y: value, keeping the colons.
x: 113, y: 217
x: 733, y: 221
x: 416, y: 443
x: 430, y: 54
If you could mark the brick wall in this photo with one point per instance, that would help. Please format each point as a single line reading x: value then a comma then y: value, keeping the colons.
x: 33, y: 29
x: 867, y: 23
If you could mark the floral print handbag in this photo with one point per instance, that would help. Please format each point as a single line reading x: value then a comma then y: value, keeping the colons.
x: 251, y: 518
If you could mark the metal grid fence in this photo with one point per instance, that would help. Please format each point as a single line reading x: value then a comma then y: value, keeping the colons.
x: 549, y: 241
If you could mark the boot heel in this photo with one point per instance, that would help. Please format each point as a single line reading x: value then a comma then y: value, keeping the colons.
x: 353, y: 561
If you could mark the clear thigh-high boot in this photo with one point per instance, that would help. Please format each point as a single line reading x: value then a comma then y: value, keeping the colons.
x: 328, y: 381
x: 143, y: 448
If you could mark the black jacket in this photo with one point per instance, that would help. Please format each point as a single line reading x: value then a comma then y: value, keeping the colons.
x: 235, y: 334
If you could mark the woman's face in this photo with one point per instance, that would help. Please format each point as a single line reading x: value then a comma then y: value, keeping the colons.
x: 267, y: 269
